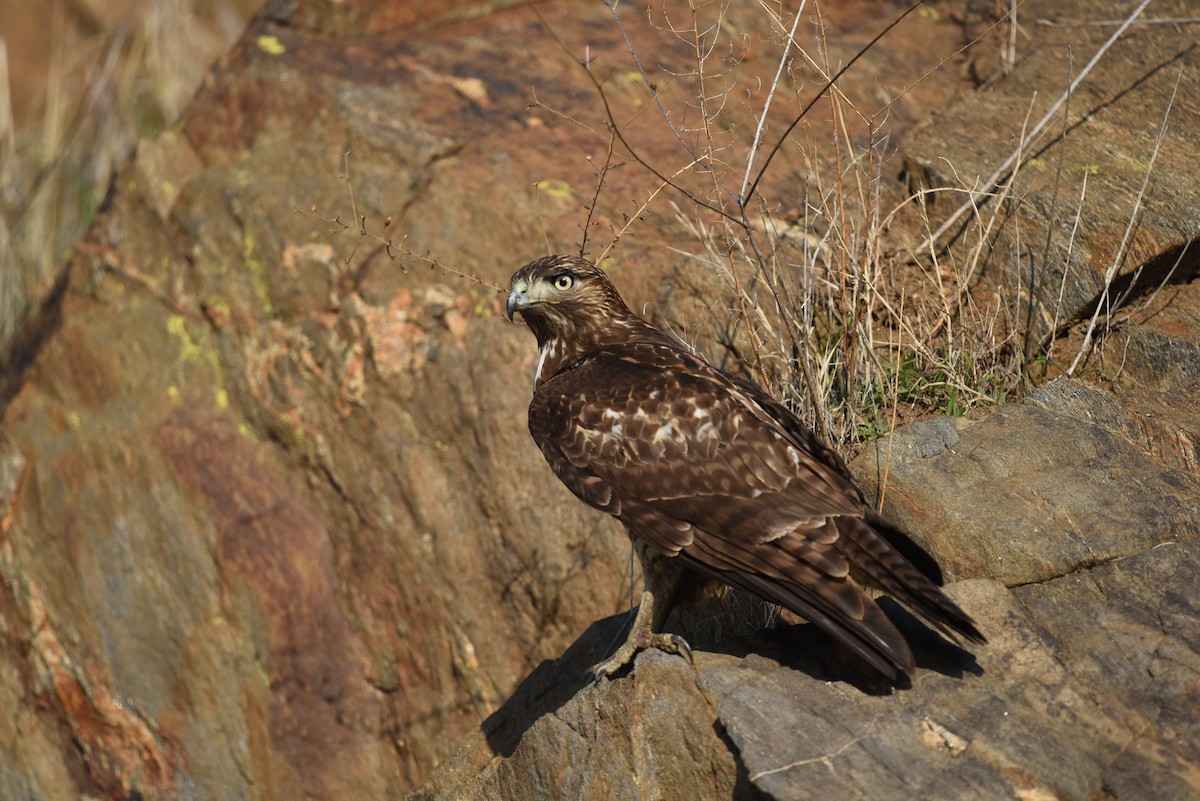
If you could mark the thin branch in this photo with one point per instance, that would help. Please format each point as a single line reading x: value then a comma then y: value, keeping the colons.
x: 1108, y: 23
x: 537, y: 203
x: 887, y: 463
x: 612, y: 8
x: 1048, y: 344
x: 537, y: 103
x: 642, y: 208
x: 1119, y: 256
x: 434, y: 263
x: 591, y: 209
x: 762, y: 119
x: 744, y: 200
x: 385, y: 243
x: 615, y: 130
x: 1166, y: 280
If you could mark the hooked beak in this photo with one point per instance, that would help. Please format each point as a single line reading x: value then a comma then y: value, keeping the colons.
x: 517, y: 300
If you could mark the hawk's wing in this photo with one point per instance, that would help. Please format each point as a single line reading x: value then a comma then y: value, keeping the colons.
x: 703, y: 467
x: 649, y: 430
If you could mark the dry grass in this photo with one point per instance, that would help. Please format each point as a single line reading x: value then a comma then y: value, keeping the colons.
x: 851, y: 324
x: 847, y: 304
x: 107, y: 82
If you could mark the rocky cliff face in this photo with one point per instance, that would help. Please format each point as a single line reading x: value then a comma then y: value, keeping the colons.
x: 271, y: 525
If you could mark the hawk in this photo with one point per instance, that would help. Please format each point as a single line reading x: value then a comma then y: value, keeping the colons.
x: 710, y: 475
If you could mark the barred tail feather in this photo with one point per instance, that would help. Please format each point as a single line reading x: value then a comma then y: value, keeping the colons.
x: 885, y: 567
x: 870, y: 634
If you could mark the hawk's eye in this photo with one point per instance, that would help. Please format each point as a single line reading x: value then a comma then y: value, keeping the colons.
x: 563, y: 281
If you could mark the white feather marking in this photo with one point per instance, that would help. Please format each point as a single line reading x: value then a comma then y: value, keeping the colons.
x: 617, y: 430
x: 668, y: 431
x: 794, y: 455
x: 706, y: 430
x: 612, y: 414
x: 549, y: 351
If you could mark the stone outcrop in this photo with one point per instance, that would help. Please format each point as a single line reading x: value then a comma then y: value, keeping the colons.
x: 1039, y: 489
x: 1086, y: 689
x: 271, y: 525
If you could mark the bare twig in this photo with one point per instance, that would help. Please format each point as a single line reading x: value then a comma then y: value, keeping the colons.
x: 1183, y: 251
x: 654, y: 93
x: 386, y: 244
x: 745, y: 197
x: 762, y: 118
x: 616, y: 130
x: 434, y: 263
x: 537, y: 202
x: 1108, y: 23
x: 537, y: 103
x: 641, y: 209
x: 591, y: 207
x: 1048, y: 345
x: 887, y: 463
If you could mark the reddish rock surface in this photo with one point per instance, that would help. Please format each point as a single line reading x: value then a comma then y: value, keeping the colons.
x: 271, y: 525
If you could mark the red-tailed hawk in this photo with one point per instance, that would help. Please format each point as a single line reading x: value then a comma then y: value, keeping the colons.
x: 710, y: 474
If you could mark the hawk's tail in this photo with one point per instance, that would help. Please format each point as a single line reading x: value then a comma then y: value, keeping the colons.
x: 882, y: 561
x: 835, y: 605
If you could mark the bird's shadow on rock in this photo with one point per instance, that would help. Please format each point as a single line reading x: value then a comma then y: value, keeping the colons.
x: 931, y: 650
x: 550, y: 685
x: 802, y: 647
x: 807, y: 649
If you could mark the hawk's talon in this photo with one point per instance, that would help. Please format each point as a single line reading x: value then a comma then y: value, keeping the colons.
x: 667, y: 643
x: 662, y: 576
x: 683, y: 648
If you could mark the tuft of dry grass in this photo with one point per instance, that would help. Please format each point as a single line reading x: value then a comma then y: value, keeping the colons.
x: 849, y: 323
x: 106, y: 74
x: 847, y: 301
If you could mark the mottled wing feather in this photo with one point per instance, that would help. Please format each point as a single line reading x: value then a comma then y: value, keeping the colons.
x: 825, y: 458
x: 870, y: 634
x: 653, y: 435
x: 896, y: 575
x: 789, y: 575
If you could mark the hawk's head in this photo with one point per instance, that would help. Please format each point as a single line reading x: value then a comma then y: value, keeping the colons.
x: 571, y: 307
x: 560, y: 296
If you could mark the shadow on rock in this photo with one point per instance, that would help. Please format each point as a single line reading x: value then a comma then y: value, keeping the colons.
x: 550, y: 685
x: 806, y: 649
x: 801, y: 647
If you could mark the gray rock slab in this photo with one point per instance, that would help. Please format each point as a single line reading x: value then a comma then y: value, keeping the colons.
x: 1037, y: 489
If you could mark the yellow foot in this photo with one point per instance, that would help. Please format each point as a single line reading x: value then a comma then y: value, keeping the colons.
x: 662, y: 575
x: 668, y: 643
